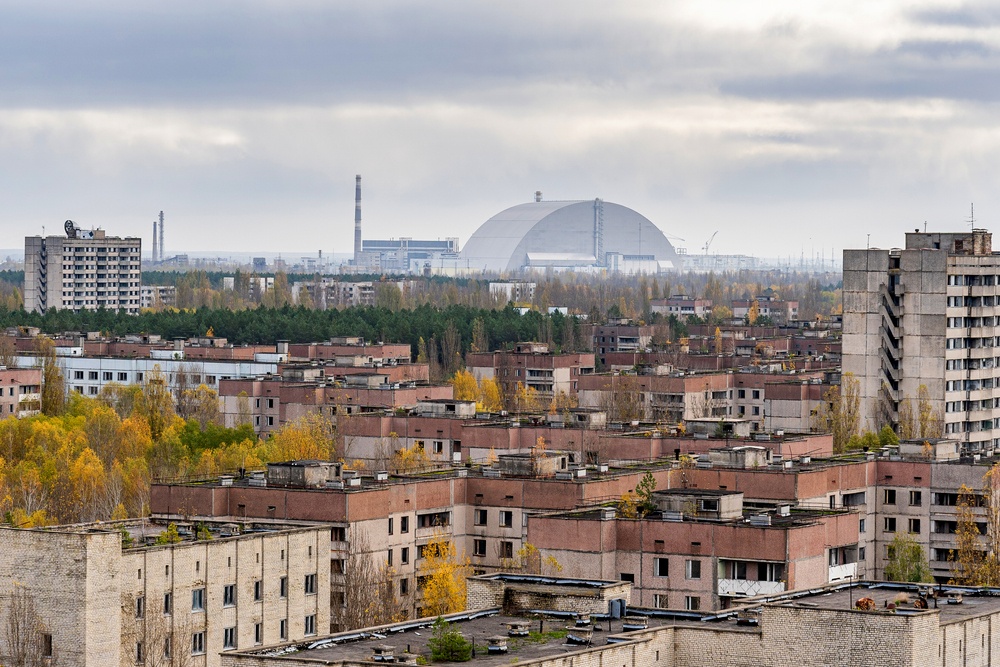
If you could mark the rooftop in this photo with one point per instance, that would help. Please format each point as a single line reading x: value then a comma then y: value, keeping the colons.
x: 548, y: 636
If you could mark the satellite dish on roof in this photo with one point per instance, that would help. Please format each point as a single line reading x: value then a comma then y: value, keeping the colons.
x: 70, y: 228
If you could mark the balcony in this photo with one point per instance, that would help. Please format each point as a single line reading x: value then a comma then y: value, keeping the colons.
x: 749, y: 588
x: 845, y: 571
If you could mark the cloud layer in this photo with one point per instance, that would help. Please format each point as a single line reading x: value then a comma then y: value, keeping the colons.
x: 790, y: 128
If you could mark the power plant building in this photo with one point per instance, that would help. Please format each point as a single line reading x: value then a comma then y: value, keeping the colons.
x: 402, y: 255
x: 588, y: 235
x: 84, y: 270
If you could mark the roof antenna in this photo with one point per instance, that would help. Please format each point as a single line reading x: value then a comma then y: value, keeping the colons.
x: 972, y: 216
x: 925, y: 226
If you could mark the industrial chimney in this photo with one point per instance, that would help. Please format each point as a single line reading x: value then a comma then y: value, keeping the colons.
x: 162, y: 253
x: 155, y: 259
x: 357, y: 220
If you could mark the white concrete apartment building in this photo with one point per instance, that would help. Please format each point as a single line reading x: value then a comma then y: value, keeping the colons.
x: 88, y: 375
x: 927, y: 315
x: 102, y: 601
x: 84, y: 270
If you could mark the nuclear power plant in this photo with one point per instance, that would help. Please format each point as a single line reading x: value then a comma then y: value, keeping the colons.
x: 583, y: 235
x: 402, y: 255
x: 589, y: 235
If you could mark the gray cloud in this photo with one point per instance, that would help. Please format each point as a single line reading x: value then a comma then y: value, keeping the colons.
x: 246, y: 121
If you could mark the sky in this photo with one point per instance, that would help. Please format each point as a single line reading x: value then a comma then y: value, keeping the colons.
x: 790, y: 128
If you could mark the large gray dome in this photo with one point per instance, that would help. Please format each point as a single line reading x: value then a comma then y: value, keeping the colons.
x: 564, y: 234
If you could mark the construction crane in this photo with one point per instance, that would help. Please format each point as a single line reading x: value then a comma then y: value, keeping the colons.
x: 709, y: 242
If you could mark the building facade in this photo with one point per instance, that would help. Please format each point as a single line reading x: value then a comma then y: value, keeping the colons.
x: 84, y: 270
x: 920, y: 331
x: 112, y: 594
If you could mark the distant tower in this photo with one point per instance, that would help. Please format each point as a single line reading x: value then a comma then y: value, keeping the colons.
x: 162, y: 253
x: 357, y: 219
x: 155, y: 246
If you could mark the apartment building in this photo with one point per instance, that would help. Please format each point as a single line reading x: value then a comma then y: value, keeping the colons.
x: 89, y: 375
x: 534, y: 366
x: 353, y: 348
x: 110, y: 594
x: 158, y: 296
x: 622, y: 338
x: 273, y: 400
x: 920, y: 324
x: 703, y: 549
x: 903, y: 626
x: 84, y: 270
x: 682, y: 306
x: 20, y: 392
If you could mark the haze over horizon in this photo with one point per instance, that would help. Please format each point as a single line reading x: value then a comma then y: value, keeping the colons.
x: 810, y: 126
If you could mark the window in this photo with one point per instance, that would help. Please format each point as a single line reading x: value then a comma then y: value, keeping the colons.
x: 388, y: 559
x: 890, y: 497
x: 77, y: 375
x: 47, y: 645
x: 692, y: 569
x: 506, y: 550
x: 861, y: 526
x: 433, y: 520
x: 310, y: 584
x: 660, y: 601
x: 140, y: 607
x: 914, y: 525
x: 92, y: 375
x: 258, y: 590
x: 916, y: 498
x: 890, y: 524
x: 198, y: 601
x: 506, y: 518
x: 404, y: 586
x: 404, y: 524
x: 478, y: 547
x: 692, y: 603
x: 404, y: 555
x: 228, y: 638
x: 283, y: 629
x: 861, y: 554
x: 741, y: 393
x: 390, y: 525
x: 283, y: 587
x: 756, y: 394
x: 310, y: 624
x: 438, y: 446
x: 480, y: 517
x: 198, y: 643
x: 168, y: 604
x: 123, y: 377
x: 661, y: 567
x: 258, y: 633
x: 229, y: 595
x: 106, y: 376
x: 627, y: 576
x: 138, y: 653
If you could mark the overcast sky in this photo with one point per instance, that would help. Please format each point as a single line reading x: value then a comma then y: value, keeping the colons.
x: 789, y: 127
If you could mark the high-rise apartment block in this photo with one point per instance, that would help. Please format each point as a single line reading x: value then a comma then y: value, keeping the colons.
x: 84, y: 270
x: 921, y: 329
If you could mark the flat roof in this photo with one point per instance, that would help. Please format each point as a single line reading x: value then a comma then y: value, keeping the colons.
x: 975, y: 601
x: 548, y: 638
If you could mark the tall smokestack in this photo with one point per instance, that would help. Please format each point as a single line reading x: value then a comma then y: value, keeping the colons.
x: 155, y: 259
x: 162, y: 253
x: 357, y: 219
